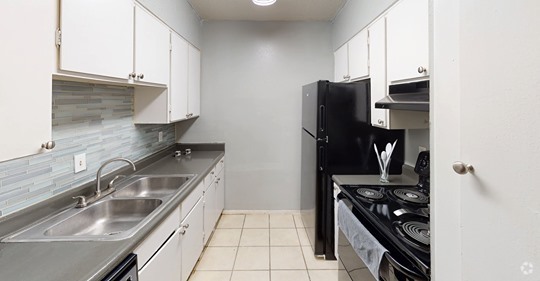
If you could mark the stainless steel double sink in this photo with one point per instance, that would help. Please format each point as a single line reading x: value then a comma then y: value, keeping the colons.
x: 137, y: 200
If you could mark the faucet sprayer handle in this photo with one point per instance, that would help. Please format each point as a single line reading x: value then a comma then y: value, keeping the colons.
x: 111, y: 183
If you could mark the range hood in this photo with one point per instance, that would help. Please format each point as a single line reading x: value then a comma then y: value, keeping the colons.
x: 410, y: 96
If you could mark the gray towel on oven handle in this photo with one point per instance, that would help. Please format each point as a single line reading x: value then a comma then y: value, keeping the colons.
x: 363, y: 243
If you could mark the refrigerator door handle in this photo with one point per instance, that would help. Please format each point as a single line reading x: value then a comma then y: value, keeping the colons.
x: 323, y: 139
x: 321, y: 118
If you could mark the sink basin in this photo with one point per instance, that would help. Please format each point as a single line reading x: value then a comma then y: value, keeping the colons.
x: 109, y: 217
x: 118, y: 216
x: 151, y: 186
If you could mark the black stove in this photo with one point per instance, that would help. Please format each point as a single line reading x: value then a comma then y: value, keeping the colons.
x: 398, y: 216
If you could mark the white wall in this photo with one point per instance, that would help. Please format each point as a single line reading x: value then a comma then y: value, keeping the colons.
x: 355, y: 15
x: 252, y: 74
x: 179, y: 15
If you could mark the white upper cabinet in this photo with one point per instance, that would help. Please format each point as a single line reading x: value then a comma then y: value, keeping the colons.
x: 194, y: 82
x: 358, y: 56
x: 408, y: 41
x: 28, y: 59
x: 351, y: 59
x: 377, y: 59
x: 152, y: 48
x: 341, y: 64
x: 97, y: 37
x: 178, y: 89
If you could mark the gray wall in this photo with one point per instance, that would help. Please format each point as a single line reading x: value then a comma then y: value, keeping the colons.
x: 355, y: 15
x: 252, y: 74
x: 179, y: 16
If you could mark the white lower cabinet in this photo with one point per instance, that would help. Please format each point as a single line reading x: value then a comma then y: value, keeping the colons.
x: 220, y: 194
x: 165, y: 264
x: 191, y: 230
x: 159, y: 255
x: 209, y: 211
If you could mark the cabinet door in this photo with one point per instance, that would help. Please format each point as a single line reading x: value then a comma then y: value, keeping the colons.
x: 377, y: 59
x: 178, y: 89
x: 165, y: 264
x: 97, y: 37
x: 192, y: 239
x: 27, y: 57
x: 358, y: 56
x: 341, y: 65
x: 209, y: 211
x: 408, y: 41
x: 220, y: 194
x: 194, y: 82
x: 152, y: 48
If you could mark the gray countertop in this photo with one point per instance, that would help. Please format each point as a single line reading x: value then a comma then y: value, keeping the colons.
x: 408, y: 177
x: 93, y: 260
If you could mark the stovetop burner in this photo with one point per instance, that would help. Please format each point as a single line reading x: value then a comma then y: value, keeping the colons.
x: 369, y: 193
x: 411, y: 196
x: 415, y: 233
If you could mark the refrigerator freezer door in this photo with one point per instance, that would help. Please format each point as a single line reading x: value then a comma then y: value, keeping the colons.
x: 312, y: 95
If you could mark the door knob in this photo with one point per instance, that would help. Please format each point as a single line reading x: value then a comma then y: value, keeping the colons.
x: 48, y: 145
x: 462, y: 168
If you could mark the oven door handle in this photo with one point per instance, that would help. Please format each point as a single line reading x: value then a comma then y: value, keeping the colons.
x: 409, y: 273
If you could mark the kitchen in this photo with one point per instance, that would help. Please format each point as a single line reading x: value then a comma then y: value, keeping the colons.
x: 467, y: 55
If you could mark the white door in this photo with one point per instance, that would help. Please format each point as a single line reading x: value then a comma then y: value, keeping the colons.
x: 194, y: 82
x: 408, y: 40
x: 358, y: 56
x: 192, y: 239
x: 485, y: 71
x: 178, y: 89
x: 220, y: 193
x: 165, y: 265
x: 152, y: 48
x: 377, y: 58
x: 27, y: 57
x: 209, y: 211
x: 97, y: 37
x: 341, y: 64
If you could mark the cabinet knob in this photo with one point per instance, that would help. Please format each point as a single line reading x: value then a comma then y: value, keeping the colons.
x: 462, y: 168
x: 48, y: 145
x: 346, y: 77
x: 140, y: 76
x: 422, y: 69
x: 380, y: 122
x: 132, y: 75
x: 186, y: 226
x: 187, y: 115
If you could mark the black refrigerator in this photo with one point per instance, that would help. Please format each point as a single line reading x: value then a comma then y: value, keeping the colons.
x: 337, y: 139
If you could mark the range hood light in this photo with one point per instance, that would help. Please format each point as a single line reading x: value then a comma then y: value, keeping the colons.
x: 263, y: 2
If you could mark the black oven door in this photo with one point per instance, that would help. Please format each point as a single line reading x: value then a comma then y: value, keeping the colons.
x: 390, y: 268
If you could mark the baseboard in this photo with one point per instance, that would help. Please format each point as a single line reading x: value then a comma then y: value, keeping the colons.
x: 259, y: 212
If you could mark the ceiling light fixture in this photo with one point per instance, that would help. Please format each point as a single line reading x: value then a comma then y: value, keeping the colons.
x: 263, y: 2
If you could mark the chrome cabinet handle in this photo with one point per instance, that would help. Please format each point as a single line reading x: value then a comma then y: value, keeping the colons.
x: 346, y: 77
x: 140, y: 76
x: 380, y: 122
x: 462, y: 168
x: 48, y: 145
x: 422, y: 69
x: 132, y: 75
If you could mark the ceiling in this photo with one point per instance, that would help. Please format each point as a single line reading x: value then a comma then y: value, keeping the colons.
x: 282, y: 10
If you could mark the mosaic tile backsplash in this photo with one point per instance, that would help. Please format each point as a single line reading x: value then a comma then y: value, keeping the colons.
x: 87, y: 118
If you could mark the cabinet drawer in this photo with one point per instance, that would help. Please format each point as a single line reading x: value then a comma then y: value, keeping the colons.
x: 149, y: 246
x: 192, y: 199
x: 209, y: 178
x: 220, y: 165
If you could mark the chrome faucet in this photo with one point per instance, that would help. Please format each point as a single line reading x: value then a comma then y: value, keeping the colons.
x: 83, y: 201
x: 98, y: 175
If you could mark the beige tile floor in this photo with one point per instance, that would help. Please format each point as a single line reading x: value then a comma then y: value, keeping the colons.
x: 263, y: 247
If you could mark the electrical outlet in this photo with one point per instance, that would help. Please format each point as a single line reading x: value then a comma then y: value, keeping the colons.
x: 79, y: 162
x: 421, y: 148
x: 160, y: 136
